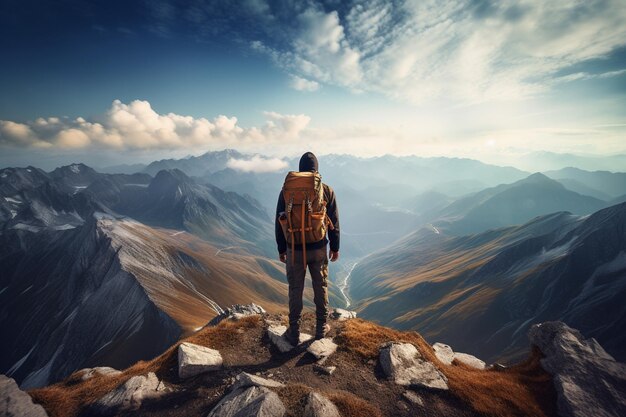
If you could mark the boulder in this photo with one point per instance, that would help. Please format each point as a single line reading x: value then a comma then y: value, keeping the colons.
x: 276, y: 334
x: 130, y: 395
x: 16, y: 403
x: 446, y: 355
x: 322, y: 348
x: 249, y: 402
x: 341, y: 314
x: 245, y: 380
x: 236, y: 312
x: 195, y: 359
x: 89, y: 373
x: 469, y: 360
x: 319, y: 406
x: 403, y: 363
x: 588, y: 381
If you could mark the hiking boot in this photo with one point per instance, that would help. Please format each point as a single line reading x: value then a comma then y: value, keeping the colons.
x: 293, y: 336
x: 321, y: 330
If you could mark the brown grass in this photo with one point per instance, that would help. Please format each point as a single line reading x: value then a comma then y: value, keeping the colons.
x: 69, y: 397
x: 522, y: 390
x: 350, y: 405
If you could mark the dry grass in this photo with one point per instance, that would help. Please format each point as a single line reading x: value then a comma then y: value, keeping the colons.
x: 522, y: 390
x: 69, y: 397
x: 350, y: 405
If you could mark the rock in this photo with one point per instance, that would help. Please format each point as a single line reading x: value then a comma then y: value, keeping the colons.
x: 404, y: 364
x: 470, y: 360
x: 16, y: 403
x: 237, y: 312
x: 322, y: 348
x: 341, y: 314
x: 327, y: 370
x: 588, y: 381
x: 249, y: 402
x: 413, y: 398
x: 245, y: 380
x: 129, y: 395
x: 319, y: 406
x: 446, y: 355
x: 89, y: 373
x: 276, y: 334
x: 195, y: 359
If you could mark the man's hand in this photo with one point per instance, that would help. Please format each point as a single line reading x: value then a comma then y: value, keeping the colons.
x: 283, y: 257
x: 333, y: 255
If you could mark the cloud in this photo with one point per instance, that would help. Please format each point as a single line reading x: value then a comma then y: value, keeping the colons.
x: 257, y: 164
x: 462, y: 51
x: 302, y: 84
x: 137, y: 126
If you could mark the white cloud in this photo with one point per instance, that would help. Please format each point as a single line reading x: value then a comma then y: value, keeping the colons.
x: 137, y: 126
x: 461, y: 51
x: 257, y: 164
x: 302, y: 84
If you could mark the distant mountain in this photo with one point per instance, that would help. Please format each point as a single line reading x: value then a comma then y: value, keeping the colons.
x: 195, y: 166
x: 612, y: 184
x: 509, y: 204
x: 482, y: 292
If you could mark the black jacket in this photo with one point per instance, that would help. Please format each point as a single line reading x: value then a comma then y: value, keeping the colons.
x: 332, y: 235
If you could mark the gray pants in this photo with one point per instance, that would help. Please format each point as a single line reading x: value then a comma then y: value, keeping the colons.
x: 317, y: 261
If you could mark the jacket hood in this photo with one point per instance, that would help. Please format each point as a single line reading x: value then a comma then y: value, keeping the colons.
x: 308, y: 162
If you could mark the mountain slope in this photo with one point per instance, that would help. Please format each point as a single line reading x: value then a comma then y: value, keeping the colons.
x: 482, y: 292
x: 510, y: 204
x: 610, y: 183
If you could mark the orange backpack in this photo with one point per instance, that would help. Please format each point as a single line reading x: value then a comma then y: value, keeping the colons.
x: 305, y: 219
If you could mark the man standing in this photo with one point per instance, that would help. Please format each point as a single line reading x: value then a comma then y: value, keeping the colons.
x: 307, y: 219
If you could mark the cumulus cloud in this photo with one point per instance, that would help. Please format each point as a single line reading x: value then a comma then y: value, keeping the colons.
x: 466, y: 51
x: 257, y: 164
x: 138, y: 126
x: 302, y: 84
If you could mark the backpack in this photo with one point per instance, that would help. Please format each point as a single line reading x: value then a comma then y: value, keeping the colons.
x: 305, y: 219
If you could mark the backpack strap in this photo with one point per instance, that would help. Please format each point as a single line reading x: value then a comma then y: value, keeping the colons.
x: 302, y: 233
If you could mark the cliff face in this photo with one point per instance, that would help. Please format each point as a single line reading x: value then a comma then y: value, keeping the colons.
x: 70, y: 304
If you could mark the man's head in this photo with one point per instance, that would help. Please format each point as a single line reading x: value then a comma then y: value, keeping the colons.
x: 308, y: 162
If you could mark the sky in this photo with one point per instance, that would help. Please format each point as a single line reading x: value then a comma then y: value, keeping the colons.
x: 110, y: 82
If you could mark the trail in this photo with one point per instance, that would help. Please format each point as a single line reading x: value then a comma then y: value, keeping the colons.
x: 343, y: 285
x: 177, y: 233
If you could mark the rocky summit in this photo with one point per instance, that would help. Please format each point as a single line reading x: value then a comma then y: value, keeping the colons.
x: 372, y: 371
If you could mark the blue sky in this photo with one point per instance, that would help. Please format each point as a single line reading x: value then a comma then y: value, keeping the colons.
x: 148, y: 79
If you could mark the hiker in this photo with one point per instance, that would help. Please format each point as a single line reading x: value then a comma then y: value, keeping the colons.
x: 307, y: 219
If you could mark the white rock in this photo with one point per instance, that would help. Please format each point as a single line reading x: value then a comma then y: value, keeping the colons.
x: 446, y: 355
x: 245, y: 380
x: 16, y: 403
x: 413, y: 398
x: 277, y: 337
x: 341, y: 314
x: 195, y: 359
x: 89, y: 373
x: 130, y: 395
x: 249, y: 402
x: 319, y: 406
x: 469, y: 360
x: 588, y: 381
x: 237, y: 312
x: 322, y: 348
x: 403, y: 363
x: 327, y: 370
